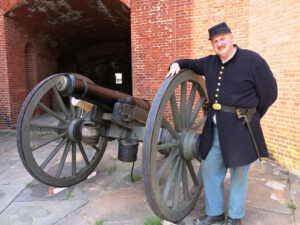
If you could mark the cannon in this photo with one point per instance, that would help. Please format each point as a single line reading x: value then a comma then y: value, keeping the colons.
x: 85, y: 116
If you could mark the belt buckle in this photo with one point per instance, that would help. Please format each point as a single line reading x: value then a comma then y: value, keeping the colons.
x: 217, y: 106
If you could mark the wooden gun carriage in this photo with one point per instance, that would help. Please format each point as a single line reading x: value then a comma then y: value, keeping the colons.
x: 85, y: 116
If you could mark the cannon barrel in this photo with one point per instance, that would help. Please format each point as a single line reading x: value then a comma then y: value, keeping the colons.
x: 81, y: 89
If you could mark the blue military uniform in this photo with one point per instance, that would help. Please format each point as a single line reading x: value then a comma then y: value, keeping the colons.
x: 245, y: 81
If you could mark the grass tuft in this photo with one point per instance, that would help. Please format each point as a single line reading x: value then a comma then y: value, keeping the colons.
x: 68, y: 195
x: 29, y: 185
x: 152, y: 221
x: 99, y: 222
x: 292, y: 206
x: 136, y: 177
x: 111, y: 170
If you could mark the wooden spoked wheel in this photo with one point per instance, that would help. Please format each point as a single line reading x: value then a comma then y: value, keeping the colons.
x: 49, y: 140
x: 175, y: 122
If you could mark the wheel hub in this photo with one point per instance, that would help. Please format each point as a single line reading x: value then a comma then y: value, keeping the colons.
x: 189, y: 144
x: 74, y: 131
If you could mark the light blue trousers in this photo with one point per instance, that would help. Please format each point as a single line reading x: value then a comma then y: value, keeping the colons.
x: 213, y: 173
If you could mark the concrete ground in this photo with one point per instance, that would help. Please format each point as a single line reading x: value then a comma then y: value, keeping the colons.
x: 112, y: 199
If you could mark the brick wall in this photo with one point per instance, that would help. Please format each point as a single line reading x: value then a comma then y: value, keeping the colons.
x: 209, y: 13
x: 274, y: 28
x: 159, y: 35
x: 163, y: 31
x: 42, y: 63
x: 5, y: 5
x: 4, y: 83
x: 126, y: 2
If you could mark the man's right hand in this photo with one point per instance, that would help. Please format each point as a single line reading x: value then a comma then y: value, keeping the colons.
x: 174, y: 70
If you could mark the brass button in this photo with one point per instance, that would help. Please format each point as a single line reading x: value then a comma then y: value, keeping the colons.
x: 217, y: 89
x: 220, y: 78
x: 222, y: 67
x: 219, y: 84
x: 221, y: 72
x: 216, y: 95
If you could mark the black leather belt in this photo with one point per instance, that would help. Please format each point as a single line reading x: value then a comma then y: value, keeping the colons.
x: 230, y: 109
x: 242, y: 113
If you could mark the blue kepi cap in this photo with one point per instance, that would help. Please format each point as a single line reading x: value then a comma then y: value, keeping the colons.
x: 220, y: 28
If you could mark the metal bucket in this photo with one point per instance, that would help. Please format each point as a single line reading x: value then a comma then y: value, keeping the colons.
x: 127, y: 151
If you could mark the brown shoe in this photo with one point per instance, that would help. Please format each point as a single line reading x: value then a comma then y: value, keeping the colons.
x: 209, y: 220
x: 233, y: 221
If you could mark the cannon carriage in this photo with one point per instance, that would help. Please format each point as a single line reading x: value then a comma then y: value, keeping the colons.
x: 86, y: 116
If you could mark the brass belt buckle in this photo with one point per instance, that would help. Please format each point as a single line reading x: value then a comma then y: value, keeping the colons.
x: 217, y: 106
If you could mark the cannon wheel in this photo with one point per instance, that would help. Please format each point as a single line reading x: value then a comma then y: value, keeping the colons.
x: 175, y: 121
x: 50, y: 148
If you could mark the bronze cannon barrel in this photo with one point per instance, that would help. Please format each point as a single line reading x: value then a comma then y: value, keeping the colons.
x: 81, y: 89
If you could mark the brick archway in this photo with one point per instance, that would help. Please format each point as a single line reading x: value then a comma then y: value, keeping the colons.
x: 30, y: 66
x: 41, y: 38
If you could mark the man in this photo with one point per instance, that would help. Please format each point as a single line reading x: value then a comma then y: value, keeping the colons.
x: 241, y: 88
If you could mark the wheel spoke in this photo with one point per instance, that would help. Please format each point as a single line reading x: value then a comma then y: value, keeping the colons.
x: 72, y: 108
x: 52, y: 154
x: 200, y: 123
x: 61, y: 103
x: 177, y: 185
x: 95, y: 147
x: 194, y: 188
x: 190, y: 103
x: 168, y: 145
x: 49, y: 141
x: 49, y: 127
x: 63, y: 160
x: 54, y: 114
x: 83, y: 153
x: 166, y: 164
x: 175, y: 113
x: 85, y: 114
x: 183, y: 102
x: 192, y: 172
x: 196, y: 111
x: 185, y: 183
x: 170, y: 180
x: 168, y: 126
x: 79, y: 112
x: 73, y: 158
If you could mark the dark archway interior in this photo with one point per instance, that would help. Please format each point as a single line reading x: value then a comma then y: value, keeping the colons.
x: 91, y: 36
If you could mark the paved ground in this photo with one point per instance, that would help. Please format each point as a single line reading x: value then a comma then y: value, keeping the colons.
x: 114, y: 200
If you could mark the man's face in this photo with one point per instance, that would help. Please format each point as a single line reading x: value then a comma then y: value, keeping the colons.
x: 223, y: 45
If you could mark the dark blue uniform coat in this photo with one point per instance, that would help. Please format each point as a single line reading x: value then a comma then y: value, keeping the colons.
x: 245, y: 81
